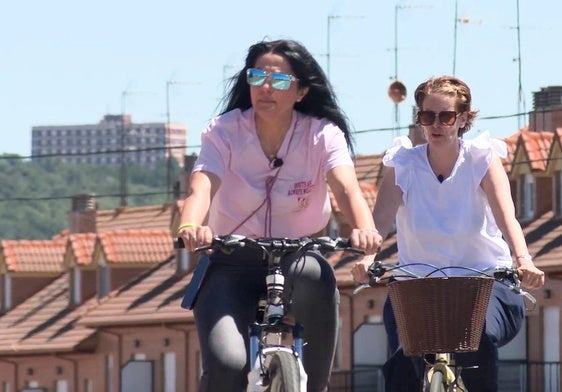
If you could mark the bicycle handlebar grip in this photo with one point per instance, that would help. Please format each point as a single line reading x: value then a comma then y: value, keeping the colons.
x: 178, y: 243
x: 343, y: 243
x: 515, y: 276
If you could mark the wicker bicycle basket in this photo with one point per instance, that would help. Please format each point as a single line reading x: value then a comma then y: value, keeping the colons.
x: 440, y: 315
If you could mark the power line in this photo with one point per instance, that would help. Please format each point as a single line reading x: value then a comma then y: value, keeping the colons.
x: 59, y: 198
x: 69, y: 197
x: 102, y: 152
x: 196, y: 146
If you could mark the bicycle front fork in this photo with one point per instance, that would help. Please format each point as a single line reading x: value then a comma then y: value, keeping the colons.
x: 445, y: 364
x: 256, y: 335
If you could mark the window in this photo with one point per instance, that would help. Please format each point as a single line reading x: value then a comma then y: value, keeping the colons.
x: 62, y: 386
x: 109, y: 372
x: 551, y: 343
x: 137, y: 376
x: 76, y: 286
x: 103, y: 283
x: 169, y: 364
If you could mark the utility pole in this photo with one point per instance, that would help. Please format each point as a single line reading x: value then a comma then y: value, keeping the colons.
x: 167, y: 137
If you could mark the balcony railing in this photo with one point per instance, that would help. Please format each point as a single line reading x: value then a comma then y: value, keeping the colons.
x: 514, y: 376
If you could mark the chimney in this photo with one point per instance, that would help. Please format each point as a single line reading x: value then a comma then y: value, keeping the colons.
x: 82, y: 216
x: 547, y: 111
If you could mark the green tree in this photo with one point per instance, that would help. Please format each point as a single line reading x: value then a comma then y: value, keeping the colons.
x: 35, y: 196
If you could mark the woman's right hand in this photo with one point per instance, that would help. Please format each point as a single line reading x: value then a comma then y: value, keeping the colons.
x: 196, y: 236
x: 360, y: 268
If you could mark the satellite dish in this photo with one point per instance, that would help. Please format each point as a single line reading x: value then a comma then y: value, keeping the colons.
x: 397, y: 92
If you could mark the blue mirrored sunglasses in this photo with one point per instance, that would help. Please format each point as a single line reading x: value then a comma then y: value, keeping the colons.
x: 277, y: 80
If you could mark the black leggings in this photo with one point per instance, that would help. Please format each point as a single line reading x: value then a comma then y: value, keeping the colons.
x: 226, y: 306
x: 504, y: 319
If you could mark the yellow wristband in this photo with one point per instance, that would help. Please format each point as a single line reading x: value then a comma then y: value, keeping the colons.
x: 186, y: 225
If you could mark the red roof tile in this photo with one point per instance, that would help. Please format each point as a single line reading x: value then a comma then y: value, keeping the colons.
x: 369, y: 168
x: 145, y: 217
x: 154, y: 297
x: 511, y: 143
x: 127, y: 247
x: 544, y: 240
x: 44, y: 323
x: 80, y: 248
x: 37, y: 256
x: 537, y: 145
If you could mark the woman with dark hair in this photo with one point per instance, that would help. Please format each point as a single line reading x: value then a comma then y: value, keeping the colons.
x: 263, y: 171
x: 450, y: 199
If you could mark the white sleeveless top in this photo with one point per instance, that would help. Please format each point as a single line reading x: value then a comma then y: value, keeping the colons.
x: 449, y: 223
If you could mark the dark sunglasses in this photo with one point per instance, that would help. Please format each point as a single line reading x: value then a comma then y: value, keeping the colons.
x: 277, y: 80
x: 447, y: 117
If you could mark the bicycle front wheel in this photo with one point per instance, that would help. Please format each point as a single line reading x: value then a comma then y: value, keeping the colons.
x: 437, y: 383
x: 284, y: 375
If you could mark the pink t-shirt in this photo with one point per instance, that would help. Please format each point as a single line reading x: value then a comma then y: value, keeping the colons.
x: 299, y: 199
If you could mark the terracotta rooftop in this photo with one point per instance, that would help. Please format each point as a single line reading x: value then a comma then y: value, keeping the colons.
x: 537, y: 147
x: 154, y: 295
x: 130, y: 246
x: 544, y: 239
x: 45, y: 323
x: 369, y: 168
x: 79, y: 249
x: 145, y: 217
x: 141, y: 235
x: 32, y: 256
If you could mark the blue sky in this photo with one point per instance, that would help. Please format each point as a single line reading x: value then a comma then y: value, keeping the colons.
x: 68, y: 62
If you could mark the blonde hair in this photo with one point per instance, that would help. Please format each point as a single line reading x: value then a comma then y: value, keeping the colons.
x: 453, y: 87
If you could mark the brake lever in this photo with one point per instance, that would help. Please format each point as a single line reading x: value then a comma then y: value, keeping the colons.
x: 361, y: 287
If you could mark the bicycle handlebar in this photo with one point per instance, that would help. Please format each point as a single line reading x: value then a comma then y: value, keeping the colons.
x: 275, y: 244
x: 510, y: 277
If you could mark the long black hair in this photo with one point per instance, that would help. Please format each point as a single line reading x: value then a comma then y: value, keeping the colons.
x: 320, y: 101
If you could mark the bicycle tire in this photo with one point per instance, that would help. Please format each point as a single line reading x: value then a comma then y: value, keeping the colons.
x: 437, y: 382
x: 284, y: 374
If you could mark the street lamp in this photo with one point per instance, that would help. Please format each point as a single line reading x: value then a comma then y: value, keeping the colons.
x: 123, y: 171
x: 167, y: 137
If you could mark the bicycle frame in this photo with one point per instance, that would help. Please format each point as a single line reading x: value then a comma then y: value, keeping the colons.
x: 442, y: 374
x: 269, y: 337
x: 276, y: 343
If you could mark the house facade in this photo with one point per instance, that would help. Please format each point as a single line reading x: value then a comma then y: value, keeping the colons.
x: 97, y: 308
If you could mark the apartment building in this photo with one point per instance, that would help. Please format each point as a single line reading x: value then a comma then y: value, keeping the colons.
x: 115, y: 139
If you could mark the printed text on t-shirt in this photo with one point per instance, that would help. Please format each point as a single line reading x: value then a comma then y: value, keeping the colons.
x: 301, y: 188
